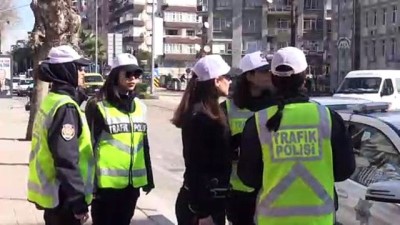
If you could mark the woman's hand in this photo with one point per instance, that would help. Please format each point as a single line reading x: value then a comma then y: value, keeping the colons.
x: 206, y: 221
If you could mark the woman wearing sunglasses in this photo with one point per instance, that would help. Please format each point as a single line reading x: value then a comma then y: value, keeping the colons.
x: 119, y: 130
x: 205, y: 138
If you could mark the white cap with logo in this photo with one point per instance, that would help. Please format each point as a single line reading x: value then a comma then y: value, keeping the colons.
x: 289, y: 56
x: 65, y: 54
x: 211, y: 67
x: 127, y: 61
x: 253, y: 61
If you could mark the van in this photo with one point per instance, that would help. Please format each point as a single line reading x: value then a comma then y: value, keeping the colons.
x: 373, y: 85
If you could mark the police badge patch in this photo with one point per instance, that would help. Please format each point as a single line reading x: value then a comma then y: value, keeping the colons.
x: 68, y: 132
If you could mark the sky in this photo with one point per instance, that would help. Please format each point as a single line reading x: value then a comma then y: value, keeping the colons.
x: 19, y: 31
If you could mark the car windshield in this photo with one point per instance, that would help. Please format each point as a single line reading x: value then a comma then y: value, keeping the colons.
x: 93, y: 79
x: 15, y: 80
x: 360, y: 85
x: 25, y: 82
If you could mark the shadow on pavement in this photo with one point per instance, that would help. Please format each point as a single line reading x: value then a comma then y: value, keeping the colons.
x: 12, y: 139
x: 14, y: 164
x: 159, y: 219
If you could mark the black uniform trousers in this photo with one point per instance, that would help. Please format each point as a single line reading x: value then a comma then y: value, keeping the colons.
x: 241, y: 208
x: 186, y: 217
x: 60, y: 216
x: 114, y: 206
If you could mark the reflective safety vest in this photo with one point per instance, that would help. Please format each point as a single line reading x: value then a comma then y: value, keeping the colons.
x: 119, y: 150
x: 237, y: 118
x: 43, y: 184
x: 298, y: 180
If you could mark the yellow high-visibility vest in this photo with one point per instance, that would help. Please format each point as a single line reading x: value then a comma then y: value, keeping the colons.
x: 298, y: 181
x: 43, y: 185
x: 119, y: 151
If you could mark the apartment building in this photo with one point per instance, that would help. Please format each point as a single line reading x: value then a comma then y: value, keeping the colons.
x: 181, y: 26
x: 312, y: 28
x: 380, y: 34
x: 225, y: 31
x: 89, y: 20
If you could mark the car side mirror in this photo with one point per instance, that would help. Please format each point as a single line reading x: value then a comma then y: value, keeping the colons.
x: 385, y: 191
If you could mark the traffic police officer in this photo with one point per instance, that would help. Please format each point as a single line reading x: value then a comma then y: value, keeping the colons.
x: 252, y: 92
x: 61, y: 163
x: 294, y: 151
x: 118, y: 122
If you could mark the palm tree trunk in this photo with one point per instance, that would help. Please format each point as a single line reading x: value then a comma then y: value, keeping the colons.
x: 56, y: 23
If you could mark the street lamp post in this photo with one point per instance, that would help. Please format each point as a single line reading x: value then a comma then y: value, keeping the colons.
x: 153, y: 43
x: 293, y: 18
x: 97, y: 34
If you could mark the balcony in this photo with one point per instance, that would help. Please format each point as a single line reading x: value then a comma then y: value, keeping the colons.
x: 179, y: 57
x: 180, y: 25
x: 129, y: 38
x: 202, y: 10
x: 176, y: 39
x: 137, y: 6
x: 128, y: 23
x: 278, y: 32
x: 278, y: 9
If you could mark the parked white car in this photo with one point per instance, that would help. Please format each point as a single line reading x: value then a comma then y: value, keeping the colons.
x: 372, y: 194
x: 23, y: 86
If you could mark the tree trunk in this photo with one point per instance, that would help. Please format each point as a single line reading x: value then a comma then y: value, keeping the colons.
x: 56, y: 23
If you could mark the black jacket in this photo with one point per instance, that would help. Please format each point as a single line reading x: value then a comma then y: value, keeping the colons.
x: 65, y: 152
x: 97, y: 125
x: 250, y: 168
x: 206, y: 154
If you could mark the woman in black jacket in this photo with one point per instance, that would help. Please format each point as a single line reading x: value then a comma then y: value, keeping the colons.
x: 205, y: 137
x: 117, y: 121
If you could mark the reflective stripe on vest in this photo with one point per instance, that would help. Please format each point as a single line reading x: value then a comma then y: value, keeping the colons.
x: 237, y: 119
x: 280, y: 155
x: 43, y: 186
x: 125, y: 135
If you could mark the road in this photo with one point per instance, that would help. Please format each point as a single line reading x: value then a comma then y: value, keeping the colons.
x: 166, y: 154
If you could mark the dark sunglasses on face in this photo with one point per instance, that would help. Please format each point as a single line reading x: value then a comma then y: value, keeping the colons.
x: 130, y: 74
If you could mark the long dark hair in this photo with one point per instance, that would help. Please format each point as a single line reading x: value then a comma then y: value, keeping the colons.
x: 241, y: 92
x: 289, y: 90
x: 109, y: 91
x: 203, y: 92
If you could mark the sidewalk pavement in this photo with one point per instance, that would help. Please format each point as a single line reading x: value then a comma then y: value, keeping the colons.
x: 14, y: 154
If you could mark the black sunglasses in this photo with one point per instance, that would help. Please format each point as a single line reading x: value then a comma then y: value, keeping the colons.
x: 134, y: 74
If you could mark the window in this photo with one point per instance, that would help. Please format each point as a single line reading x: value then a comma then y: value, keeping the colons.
x: 383, y: 44
x: 171, y: 32
x: 190, y: 33
x: 366, y: 19
x: 283, y: 23
x: 387, y: 88
x: 366, y: 49
x: 384, y: 16
x: 224, y: 3
x: 310, y: 24
x: 394, y: 14
x: 311, y: 4
x: 373, y: 50
x: 375, y: 15
x: 394, y: 46
x: 219, y: 24
x: 376, y: 157
x: 250, y: 25
x: 253, y: 3
x: 252, y: 46
x: 398, y: 85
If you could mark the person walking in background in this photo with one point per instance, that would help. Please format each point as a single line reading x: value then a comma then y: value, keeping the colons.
x: 292, y: 141
x: 117, y: 119
x: 205, y: 137
x: 61, y: 162
x: 252, y: 92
